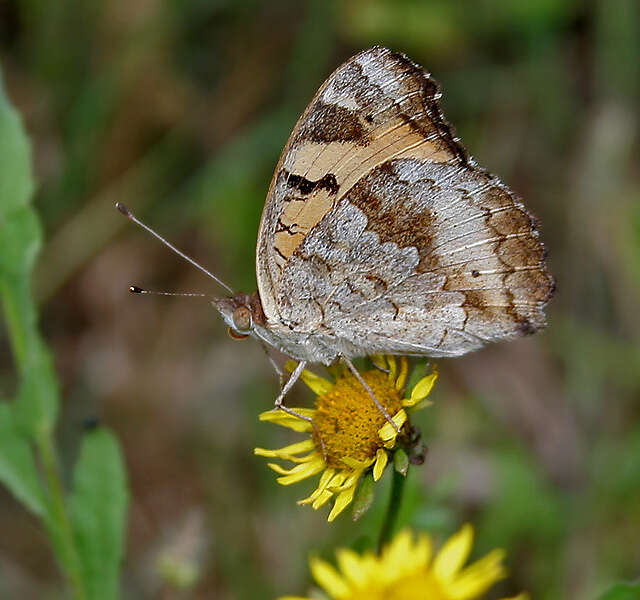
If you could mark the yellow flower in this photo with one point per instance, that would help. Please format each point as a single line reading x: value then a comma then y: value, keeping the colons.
x: 354, y: 434
x: 407, y: 570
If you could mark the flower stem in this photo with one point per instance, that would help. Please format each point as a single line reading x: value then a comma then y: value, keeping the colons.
x: 395, y: 501
x: 58, y: 521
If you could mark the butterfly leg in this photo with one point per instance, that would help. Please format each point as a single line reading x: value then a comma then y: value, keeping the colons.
x: 364, y: 384
x: 274, y: 364
x: 279, y: 403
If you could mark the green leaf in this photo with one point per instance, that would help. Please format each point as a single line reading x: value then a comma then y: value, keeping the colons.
x: 622, y: 591
x: 20, y: 239
x: 18, y: 470
x: 15, y: 190
x: 98, y: 512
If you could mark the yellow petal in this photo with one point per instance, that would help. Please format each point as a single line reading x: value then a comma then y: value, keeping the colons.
x: 477, y: 578
x: 421, y: 554
x: 381, y: 462
x: 370, y: 564
x: 350, y: 480
x: 342, y: 501
x: 338, y: 480
x: 322, y: 499
x: 311, y: 498
x: 325, y: 478
x: 279, y: 417
x: 423, y: 388
x: 387, y: 432
x: 453, y: 554
x: 336, y: 486
x: 299, y: 461
x: 395, y: 555
x: 402, y: 376
x: 354, y: 463
x: 351, y: 567
x: 393, y: 367
x: 318, y: 385
x: 300, y: 472
x: 407, y: 403
x: 328, y: 578
x: 290, y: 365
x: 278, y: 469
x: 265, y: 452
x: 328, y: 480
x: 379, y: 361
x: 288, y: 452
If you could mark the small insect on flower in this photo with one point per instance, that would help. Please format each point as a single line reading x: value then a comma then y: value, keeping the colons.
x: 407, y: 570
x: 348, y: 434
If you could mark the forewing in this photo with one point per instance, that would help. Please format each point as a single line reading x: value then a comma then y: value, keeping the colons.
x: 377, y: 106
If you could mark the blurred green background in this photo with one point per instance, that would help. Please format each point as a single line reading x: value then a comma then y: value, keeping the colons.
x: 180, y: 109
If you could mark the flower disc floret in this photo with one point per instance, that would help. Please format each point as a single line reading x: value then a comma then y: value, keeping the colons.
x: 349, y: 422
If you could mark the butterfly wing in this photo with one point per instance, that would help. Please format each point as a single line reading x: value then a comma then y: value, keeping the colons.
x: 375, y: 106
x: 381, y: 231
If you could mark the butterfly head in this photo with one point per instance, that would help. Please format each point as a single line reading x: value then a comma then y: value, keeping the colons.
x: 241, y: 312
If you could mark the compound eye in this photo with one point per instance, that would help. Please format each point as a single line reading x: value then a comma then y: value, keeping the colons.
x: 242, y: 318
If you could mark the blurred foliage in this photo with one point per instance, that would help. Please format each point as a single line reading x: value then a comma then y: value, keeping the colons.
x: 622, y: 591
x: 87, y: 538
x: 180, y: 110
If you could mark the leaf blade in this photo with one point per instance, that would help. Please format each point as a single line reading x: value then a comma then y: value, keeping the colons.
x: 18, y: 471
x: 98, y: 507
x: 36, y: 408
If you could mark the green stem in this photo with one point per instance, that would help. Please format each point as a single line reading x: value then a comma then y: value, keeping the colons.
x: 397, y: 492
x: 59, y: 524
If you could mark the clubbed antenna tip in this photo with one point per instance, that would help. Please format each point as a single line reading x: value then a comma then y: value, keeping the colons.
x: 124, y: 210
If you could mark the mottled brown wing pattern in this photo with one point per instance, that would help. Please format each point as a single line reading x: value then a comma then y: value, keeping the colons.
x: 416, y: 260
x: 377, y: 106
x: 380, y: 232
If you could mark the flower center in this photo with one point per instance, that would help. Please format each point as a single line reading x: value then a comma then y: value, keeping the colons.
x: 348, y: 420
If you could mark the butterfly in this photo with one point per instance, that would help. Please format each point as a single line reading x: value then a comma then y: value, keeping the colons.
x: 380, y: 233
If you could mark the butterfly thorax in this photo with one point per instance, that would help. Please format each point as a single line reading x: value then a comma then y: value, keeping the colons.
x: 244, y: 316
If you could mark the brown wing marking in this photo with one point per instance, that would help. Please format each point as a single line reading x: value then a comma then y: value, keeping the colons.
x: 478, y: 272
x: 377, y: 106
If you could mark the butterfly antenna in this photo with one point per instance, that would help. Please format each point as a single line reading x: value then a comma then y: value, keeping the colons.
x: 127, y: 213
x: 134, y: 289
